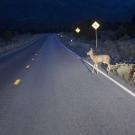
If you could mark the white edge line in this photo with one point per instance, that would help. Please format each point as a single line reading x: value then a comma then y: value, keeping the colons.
x: 111, y: 79
x: 114, y: 81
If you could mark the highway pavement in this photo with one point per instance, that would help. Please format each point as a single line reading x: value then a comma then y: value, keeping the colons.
x: 46, y: 90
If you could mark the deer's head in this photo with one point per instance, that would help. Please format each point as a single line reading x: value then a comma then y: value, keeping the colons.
x: 90, y: 52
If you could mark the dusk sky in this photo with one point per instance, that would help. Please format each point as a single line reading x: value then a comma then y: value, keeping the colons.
x: 65, y: 11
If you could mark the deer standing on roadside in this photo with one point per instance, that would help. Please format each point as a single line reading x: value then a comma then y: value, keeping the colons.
x: 105, y: 59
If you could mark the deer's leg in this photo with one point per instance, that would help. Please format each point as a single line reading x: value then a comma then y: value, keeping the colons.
x: 96, y: 68
x: 93, y: 68
x: 108, y: 68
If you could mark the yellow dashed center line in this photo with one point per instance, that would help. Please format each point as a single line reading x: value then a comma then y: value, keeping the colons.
x: 17, y: 82
x: 33, y: 59
x: 28, y: 66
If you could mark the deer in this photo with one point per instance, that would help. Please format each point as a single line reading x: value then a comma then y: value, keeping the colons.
x: 104, y: 59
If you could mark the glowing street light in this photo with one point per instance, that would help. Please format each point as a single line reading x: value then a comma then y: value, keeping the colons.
x: 96, y: 25
x: 77, y: 30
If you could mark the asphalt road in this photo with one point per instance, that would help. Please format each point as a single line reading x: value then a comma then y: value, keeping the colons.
x: 58, y: 95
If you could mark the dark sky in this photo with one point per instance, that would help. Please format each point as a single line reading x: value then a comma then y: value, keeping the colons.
x: 64, y: 11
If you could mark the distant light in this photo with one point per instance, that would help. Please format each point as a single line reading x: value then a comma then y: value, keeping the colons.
x: 77, y: 30
x: 71, y: 40
x: 95, y: 25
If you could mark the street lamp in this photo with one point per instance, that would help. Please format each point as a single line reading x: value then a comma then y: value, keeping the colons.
x: 96, y: 25
x: 77, y: 30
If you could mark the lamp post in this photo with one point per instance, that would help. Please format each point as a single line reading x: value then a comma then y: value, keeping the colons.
x: 96, y: 25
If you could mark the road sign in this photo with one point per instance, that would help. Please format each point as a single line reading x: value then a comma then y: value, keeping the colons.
x: 95, y: 25
x: 77, y: 30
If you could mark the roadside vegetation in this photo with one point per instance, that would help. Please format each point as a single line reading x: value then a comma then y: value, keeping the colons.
x: 10, y: 41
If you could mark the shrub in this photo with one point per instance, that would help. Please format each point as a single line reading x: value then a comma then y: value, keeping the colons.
x: 8, y: 35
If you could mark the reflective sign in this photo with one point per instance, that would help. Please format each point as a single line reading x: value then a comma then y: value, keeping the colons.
x: 95, y: 25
